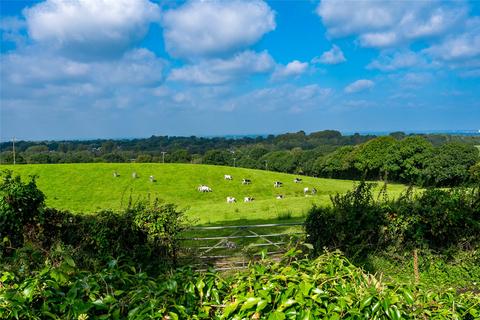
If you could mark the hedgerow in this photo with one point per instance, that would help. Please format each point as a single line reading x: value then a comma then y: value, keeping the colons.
x: 294, y: 288
x: 358, y: 223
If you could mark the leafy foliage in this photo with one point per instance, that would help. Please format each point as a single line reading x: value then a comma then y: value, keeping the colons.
x: 21, y: 205
x: 146, y: 232
x: 294, y: 288
x: 358, y: 224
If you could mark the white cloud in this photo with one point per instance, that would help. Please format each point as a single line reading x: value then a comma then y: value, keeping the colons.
x: 397, y: 60
x: 41, y: 76
x: 389, y: 23
x: 359, y: 85
x: 462, y: 46
x: 290, y: 98
x: 90, y: 29
x: 293, y: 68
x: 332, y: 56
x: 209, y: 28
x: 218, y: 71
x: 415, y: 79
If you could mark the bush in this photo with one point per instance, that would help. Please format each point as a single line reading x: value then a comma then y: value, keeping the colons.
x: 353, y: 224
x: 358, y: 224
x: 146, y: 232
x: 328, y: 286
x: 21, y: 207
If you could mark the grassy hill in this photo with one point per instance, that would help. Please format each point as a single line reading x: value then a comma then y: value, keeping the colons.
x: 90, y: 187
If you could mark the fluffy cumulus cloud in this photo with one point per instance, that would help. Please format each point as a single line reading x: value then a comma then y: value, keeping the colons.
x: 90, y: 29
x: 332, y: 56
x: 218, y: 71
x: 397, y: 60
x: 385, y: 24
x: 37, y: 78
x: 210, y: 28
x: 292, y: 69
x: 359, y: 85
x: 462, y: 46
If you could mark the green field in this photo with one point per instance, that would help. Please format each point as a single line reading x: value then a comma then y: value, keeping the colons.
x: 87, y: 188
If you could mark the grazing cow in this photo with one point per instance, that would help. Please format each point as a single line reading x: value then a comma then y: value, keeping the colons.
x: 152, y: 179
x: 227, y: 177
x: 305, y: 190
x: 248, y: 199
x: 115, y: 174
x: 134, y: 175
x: 204, y: 188
x: 280, y: 197
x: 246, y: 181
x: 314, y: 191
x: 297, y: 180
x: 277, y: 184
x: 231, y: 200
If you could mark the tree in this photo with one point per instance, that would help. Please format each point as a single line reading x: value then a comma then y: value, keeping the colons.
x: 338, y: 164
x: 378, y: 157
x: 414, y: 154
x: 219, y: 157
x: 450, y: 164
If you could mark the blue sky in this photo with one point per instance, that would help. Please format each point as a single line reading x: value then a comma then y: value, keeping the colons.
x: 134, y: 68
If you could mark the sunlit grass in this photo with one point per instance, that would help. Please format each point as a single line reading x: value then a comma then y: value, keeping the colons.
x: 88, y: 188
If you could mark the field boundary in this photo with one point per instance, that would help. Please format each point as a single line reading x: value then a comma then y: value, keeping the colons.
x: 239, y: 244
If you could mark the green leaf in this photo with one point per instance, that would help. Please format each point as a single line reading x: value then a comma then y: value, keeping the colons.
x: 277, y: 315
x: 366, y: 302
x: 408, y: 296
x: 250, y: 302
x: 261, y: 305
x: 70, y: 261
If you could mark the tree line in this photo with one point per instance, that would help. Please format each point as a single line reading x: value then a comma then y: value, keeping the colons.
x: 434, y: 160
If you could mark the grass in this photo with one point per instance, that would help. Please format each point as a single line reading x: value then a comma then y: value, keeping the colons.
x: 87, y: 188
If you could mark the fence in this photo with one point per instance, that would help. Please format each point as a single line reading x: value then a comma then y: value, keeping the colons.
x: 233, y: 247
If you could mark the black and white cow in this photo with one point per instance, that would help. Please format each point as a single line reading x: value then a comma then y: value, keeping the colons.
x: 115, y: 174
x: 231, y: 200
x: 152, y: 179
x: 204, y: 188
x: 297, y: 180
x: 277, y: 184
x: 227, y: 177
x: 246, y: 181
x: 280, y: 197
x: 134, y: 175
x: 248, y: 199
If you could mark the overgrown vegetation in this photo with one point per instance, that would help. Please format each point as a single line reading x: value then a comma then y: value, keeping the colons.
x: 115, y: 265
x: 295, y: 288
x: 146, y: 232
x: 358, y: 223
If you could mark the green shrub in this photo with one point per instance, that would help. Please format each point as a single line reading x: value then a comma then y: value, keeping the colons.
x: 21, y: 207
x: 328, y: 286
x: 358, y: 224
x: 353, y: 224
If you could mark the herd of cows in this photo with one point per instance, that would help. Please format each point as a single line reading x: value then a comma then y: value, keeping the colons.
x: 205, y: 188
x: 276, y: 184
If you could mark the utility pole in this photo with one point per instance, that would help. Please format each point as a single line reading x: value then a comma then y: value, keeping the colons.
x: 266, y: 165
x: 234, y: 162
x: 13, y: 150
x: 163, y: 156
